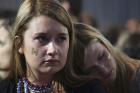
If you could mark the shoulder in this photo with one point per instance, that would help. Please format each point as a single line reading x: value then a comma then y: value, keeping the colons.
x: 7, y: 86
x: 94, y: 86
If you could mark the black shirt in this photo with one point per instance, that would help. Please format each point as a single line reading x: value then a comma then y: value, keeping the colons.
x: 8, y: 86
x: 95, y: 86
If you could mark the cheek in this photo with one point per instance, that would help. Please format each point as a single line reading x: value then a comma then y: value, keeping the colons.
x: 34, y: 51
x: 64, y: 49
x: 88, y: 59
x: 98, y: 71
x: 31, y: 51
x: 101, y: 67
x: 110, y: 63
x: 63, y: 53
x: 38, y: 52
x: 113, y: 64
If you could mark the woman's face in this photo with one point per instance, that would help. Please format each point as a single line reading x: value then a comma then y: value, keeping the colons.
x: 5, y: 48
x: 45, y: 45
x: 100, y: 60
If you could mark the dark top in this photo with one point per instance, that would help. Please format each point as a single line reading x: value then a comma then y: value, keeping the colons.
x: 94, y: 86
x: 8, y: 86
x: 135, y: 87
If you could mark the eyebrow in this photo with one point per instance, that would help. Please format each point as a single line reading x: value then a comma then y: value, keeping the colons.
x: 43, y: 33
x: 64, y: 34
x: 40, y: 34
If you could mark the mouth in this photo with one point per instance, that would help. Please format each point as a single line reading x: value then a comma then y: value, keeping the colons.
x: 108, y: 76
x: 52, y: 61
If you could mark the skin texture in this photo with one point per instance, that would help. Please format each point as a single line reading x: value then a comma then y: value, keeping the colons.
x: 45, y: 46
x: 5, y: 52
x: 99, y: 58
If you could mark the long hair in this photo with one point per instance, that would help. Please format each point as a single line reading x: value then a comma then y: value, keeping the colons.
x: 28, y: 10
x: 78, y: 75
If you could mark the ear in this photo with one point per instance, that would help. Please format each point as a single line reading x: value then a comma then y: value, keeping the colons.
x: 18, y: 44
x: 20, y: 50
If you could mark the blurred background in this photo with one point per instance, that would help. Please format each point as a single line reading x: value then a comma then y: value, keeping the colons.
x: 106, y: 12
x: 116, y: 19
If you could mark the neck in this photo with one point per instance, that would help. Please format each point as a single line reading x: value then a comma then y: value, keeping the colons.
x: 39, y: 78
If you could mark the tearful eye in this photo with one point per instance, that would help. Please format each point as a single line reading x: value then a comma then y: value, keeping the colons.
x: 61, y: 39
x: 101, y: 56
x: 42, y: 39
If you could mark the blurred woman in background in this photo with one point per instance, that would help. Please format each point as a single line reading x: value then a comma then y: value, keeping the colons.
x: 5, y: 49
x: 96, y: 58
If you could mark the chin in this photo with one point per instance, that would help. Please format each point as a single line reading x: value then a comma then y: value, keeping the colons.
x: 46, y: 70
x: 50, y: 70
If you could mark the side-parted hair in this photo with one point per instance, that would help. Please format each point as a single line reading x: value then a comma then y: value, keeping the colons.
x: 27, y: 11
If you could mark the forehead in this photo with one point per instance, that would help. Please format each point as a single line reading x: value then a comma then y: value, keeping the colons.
x: 44, y: 23
x: 96, y: 47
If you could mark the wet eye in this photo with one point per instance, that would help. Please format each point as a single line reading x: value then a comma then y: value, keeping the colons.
x: 61, y: 39
x: 42, y: 39
x: 101, y: 56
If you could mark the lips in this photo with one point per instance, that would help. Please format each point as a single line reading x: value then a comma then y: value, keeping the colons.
x: 108, y: 76
x: 52, y: 61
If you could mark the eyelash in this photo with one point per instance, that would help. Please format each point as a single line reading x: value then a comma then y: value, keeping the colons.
x: 101, y: 56
x: 61, y: 39
x: 42, y: 39
x: 45, y: 40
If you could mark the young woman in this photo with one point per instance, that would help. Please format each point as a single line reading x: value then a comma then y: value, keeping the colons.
x: 96, y: 58
x: 43, y: 42
x: 43, y: 35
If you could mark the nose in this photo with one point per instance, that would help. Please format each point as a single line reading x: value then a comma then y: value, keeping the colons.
x: 51, y: 49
